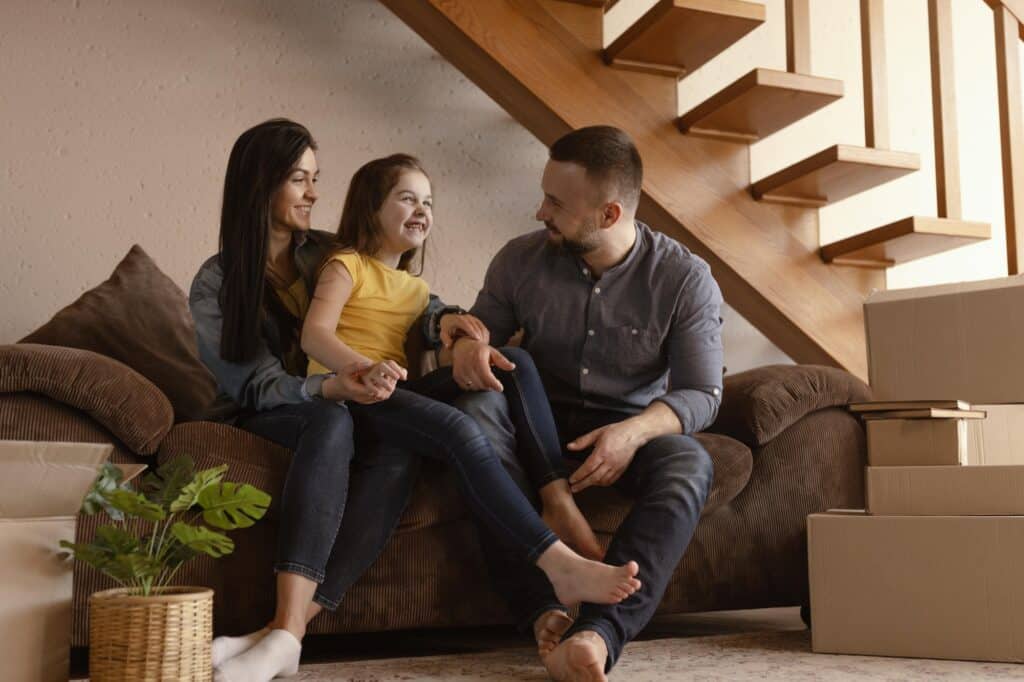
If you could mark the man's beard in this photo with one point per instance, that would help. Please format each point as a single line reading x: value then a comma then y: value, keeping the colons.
x: 584, y: 243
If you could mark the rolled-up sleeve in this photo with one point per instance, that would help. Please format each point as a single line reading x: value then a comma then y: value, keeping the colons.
x: 261, y: 384
x: 494, y: 304
x: 695, y: 353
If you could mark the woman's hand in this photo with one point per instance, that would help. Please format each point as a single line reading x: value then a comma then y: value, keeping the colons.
x: 381, y: 378
x: 454, y: 326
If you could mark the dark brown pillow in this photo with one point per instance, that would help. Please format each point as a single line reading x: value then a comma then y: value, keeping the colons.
x: 139, y: 317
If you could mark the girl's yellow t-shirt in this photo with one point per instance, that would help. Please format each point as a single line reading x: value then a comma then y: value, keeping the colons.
x: 383, y: 305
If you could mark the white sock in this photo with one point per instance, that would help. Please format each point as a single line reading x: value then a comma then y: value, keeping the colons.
x: 226, y: 648
x: 276, y: 655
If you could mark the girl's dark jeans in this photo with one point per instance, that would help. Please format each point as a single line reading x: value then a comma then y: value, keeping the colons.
x: 338, y: 508
x: 418, y: 419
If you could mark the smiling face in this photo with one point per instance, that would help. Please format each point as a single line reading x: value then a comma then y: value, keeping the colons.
x: 405, y: 218
x: 293, y: 201
x: 570, y: 210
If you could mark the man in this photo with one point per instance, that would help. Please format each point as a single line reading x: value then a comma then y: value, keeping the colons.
x: 612, y: 313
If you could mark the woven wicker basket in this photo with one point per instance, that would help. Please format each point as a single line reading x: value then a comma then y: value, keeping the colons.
x: 165, y: 636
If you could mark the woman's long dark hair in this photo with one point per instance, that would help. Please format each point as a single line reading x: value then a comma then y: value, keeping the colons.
x: 359, y: 229
x: 259, y: 163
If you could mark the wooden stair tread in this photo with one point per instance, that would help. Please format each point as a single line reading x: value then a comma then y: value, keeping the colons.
x: 759, y: 104
x: 677, y: 36
x: 603, y: 4
x: 904, y: 240
x: 834, y: 173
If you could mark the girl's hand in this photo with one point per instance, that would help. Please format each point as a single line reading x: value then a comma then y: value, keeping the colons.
x: 348, y: 385
x: 455, y: 326
x: 380, y: 379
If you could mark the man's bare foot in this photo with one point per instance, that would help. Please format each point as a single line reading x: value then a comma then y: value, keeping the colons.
x: 576, y: 579
x: 569, y: 524
x: 548, y: 629
x: 581, y: 658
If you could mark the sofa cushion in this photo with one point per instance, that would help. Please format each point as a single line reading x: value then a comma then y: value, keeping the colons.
x: 141, y: 318
x: 115, y: 396
x: 761, y: 403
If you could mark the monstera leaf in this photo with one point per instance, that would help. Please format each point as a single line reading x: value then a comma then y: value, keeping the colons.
x: 165, y: 485
x: 201, y: 539
x: 109, y: 479
x: 135, y: 504
x: 201, y: 481
x: 233, y: 505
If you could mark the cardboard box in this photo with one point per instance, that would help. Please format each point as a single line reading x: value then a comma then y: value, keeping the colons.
x: 925, y: 586
x: 995, y: 440
x: 41, y: 491
x: 1002, y: 434
x: 958, y: 341
x: 946, y: 490
x: 923, y: 442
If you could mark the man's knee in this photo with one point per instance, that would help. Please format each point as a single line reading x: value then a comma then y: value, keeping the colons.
x: 684, y: 464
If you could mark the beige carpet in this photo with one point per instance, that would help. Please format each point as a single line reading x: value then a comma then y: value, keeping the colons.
x: 756, y: 656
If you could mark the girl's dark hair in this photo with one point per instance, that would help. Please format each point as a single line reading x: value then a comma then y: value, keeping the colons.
x: 359, y: 229
x: 260, y: 162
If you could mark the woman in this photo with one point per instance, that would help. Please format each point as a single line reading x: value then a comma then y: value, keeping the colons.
x: 364, y: 303
x: 248, y: 302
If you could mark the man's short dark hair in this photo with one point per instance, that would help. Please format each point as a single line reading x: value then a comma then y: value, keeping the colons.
x: 609, y: 157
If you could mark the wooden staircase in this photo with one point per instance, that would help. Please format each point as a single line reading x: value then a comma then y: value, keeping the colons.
x: 542, y: 60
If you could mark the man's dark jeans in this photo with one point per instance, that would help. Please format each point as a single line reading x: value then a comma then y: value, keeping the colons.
x: 419, y: 419
x: 338, y: 509
x: 669, y: 480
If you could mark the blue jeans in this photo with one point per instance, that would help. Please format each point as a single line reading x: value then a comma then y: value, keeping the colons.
x: 338, y: 507
x: 669, y: 480
x: 418, y: 418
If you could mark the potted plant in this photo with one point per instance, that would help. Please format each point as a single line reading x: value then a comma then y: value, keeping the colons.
x: 147, y: 628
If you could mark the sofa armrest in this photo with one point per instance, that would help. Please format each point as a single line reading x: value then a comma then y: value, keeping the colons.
x: 122, y: 400
x: 761, y: 403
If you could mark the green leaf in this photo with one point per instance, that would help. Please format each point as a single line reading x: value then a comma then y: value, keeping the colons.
x: 202, y: 539
x: 135, y: 504
x: 108, y: 479
x: 201, y: 481
x: 128, y: 567
x: 233, y: 505
x: 164, y: 485
x: 88, y: 553
x: 115, y: 540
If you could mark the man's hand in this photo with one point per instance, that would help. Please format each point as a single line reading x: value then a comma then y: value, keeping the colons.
x: 471, y: 365
x: 454, y: 326
x: 614, y: 448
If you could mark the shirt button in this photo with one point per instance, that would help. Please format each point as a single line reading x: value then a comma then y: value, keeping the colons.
x: 597, y: 290
x: 715, y: 391
x: 635, y: 331
x: 586, y: 271
x: 586, y: 371
x: 590, y: 332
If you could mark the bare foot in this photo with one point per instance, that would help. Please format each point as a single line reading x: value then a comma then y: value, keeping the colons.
x: 576, y: 579
x: 548, y: 629
x: 569, y: 524
x: 581, y: 658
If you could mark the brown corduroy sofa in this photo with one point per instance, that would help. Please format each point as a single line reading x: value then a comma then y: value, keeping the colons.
x: 783, y: 447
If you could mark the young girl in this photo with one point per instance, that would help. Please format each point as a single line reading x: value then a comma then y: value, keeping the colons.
x: 364, y: 303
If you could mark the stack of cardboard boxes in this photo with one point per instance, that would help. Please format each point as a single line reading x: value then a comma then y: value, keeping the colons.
x: 934, y: 567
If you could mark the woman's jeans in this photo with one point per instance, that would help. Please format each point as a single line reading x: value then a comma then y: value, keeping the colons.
x: 338, y: 508
x: 418, y: 419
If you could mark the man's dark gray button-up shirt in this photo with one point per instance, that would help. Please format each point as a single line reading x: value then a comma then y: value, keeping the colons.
x: 647, y: 329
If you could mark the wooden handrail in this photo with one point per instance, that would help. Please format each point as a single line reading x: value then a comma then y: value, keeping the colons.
x: 947, y: 151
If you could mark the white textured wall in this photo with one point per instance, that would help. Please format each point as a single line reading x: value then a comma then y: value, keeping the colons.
x: 119, y: 115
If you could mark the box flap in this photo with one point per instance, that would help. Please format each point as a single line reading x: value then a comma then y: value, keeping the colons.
x: 890, y: 295
x: 47, y: 479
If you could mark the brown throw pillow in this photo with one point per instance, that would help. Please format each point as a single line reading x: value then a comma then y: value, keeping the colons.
x: 139, y: 317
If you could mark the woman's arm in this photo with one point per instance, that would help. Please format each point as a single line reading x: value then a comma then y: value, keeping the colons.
x: 319, y: 330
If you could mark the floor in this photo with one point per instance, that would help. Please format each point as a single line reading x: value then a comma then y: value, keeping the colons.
x: 766, y: 644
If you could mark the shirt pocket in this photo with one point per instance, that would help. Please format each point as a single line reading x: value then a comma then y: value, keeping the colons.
x: 634, y: 348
